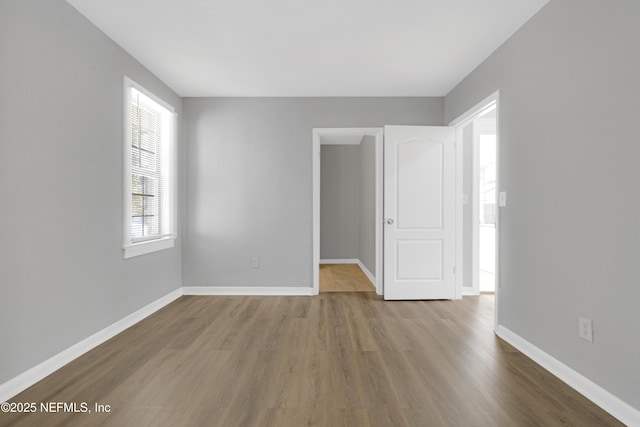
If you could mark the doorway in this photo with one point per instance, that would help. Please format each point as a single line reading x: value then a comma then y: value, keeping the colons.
x: 477, y: 137
x: 339, y: 261
x: 483, y: 201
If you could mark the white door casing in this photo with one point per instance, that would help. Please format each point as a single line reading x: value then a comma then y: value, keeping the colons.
x: 419, y: 212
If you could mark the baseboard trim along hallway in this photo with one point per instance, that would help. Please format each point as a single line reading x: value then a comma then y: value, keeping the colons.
x: 248, y: 290
x: 49, y: 366
x: 592, y: 391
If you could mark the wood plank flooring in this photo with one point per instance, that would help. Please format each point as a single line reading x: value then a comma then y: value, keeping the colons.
x: 337, y: 359
x: 344, y: 278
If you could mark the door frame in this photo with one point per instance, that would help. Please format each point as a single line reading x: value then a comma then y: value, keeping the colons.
x: 343, y: 135
x: 459, y: 123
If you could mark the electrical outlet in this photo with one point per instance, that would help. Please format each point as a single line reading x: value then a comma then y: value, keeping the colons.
x: 585, y: 329
x: 255, y: 262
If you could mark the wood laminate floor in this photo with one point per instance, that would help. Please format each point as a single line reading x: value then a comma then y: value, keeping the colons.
x: 337, y: 359
x: 344, y: 278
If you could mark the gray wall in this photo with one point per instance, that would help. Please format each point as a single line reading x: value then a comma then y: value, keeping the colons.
x: 569, y: 236
x: 62, y: 272
x: 367, y: 208
x: 339, y: 201
x: 249, y: 181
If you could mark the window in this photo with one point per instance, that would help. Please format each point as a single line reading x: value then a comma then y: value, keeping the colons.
x: 149, y: 165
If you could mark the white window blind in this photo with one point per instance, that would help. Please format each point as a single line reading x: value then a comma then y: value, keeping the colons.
x: 150, y: 213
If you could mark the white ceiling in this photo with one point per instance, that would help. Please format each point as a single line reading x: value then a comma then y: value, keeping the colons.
x: 309, y: 47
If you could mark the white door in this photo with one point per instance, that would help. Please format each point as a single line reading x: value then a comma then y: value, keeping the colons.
x: 419, y: 212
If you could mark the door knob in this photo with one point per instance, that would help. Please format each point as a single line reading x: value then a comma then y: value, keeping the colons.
x: 390, y: 221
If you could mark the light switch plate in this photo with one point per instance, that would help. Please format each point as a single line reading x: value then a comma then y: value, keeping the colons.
x: 585, y: 329
x: 502, y: 199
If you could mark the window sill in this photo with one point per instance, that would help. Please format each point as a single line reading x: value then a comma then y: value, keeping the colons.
x: 136, y: 249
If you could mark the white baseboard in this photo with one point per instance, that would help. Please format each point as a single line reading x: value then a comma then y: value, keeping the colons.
x: 30, y: 377
x: 340, y: 261
x: 468, y: 291
x: 367, y: 273
x: 40, y: 371
x: 621, y: 410
x: 248, y: 290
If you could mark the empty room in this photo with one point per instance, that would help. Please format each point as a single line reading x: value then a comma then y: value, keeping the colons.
x: 337, y: 213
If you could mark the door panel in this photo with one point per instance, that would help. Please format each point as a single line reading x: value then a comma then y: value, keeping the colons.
x: 419, y: 174
x: 419, y: 259
x: 419, y: 212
